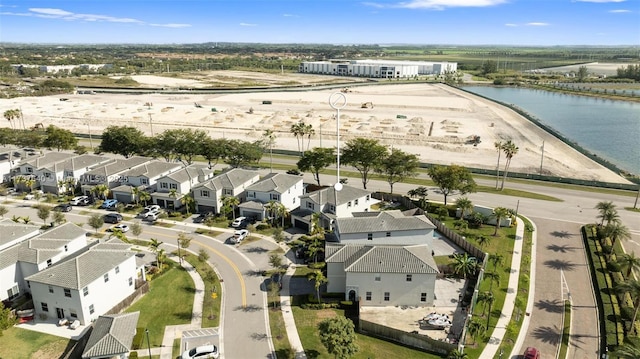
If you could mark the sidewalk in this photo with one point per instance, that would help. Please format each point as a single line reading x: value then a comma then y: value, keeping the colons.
x: 287, y: 313
x: 499, y: 331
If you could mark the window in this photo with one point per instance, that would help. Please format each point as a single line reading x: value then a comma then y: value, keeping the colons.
x: 85, y: 291
x: 173, y: 186
x: 50, y: 289
x: 66, y: 248
x: 117, y: 269
x: 274, y: 196
x: 13, y: 292
x: 106, y: 277
x: 163, y: 185
x: 368, y: 296
x: 73, y: 313
x: 204, y: 193
x: 368, y: 197
x: 29, y: 170
x: 91, y: 309
x: 377, y: 277
x: 67, y: 292
x: 227, y: 192
x: 332, y: 208
x: 423, y: 297
x: 355, y: 202
x: 386, y: 296
x: 310, y: 206
x: 130, y: 281
x: 409, y: 277
x: 370, y: 236
x: 44, y: 306
x: 251, y: 194
x: 349, y: 204
x: 49, y: 262
x: 388, y: 234
x: 144, y: 181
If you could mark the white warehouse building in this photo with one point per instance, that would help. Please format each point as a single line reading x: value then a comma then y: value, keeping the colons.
x: 377, y: 68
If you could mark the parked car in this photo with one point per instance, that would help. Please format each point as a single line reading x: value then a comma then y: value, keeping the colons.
x: 151, y: 216
x: 76, y: 201
x: 153, y: 207
x: 277, y: 278
x: 119, y: 227
x: 32, y: 195
x: 109, y: 204
x: 64, y: 207
x: 531, y: 353
x: 112, y: 218
x: 202, y: 217
x: 239, y: 222
x: 239, y: 235
x: 201, y: 352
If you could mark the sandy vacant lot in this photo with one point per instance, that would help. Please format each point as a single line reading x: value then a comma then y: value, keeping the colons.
x: 432, y: 121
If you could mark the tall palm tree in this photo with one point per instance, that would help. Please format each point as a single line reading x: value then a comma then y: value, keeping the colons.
x: 498, y: 145
x: 318, y: 279
x: 231, y: 202
x: 493, y: 277
x: 609, y: 217
x: 464, y: 264
x: 308, y: 132
x: 495, y: 259
x: 316, y: 228
x: 145, y: 197
x: 617, y: 231
x: 604, y: 207
x: 465, y: 205
x: 485, y: 298
x: 629, y: 262
x: 499, y: 213
x: 315, y: 246
x: 269, y: 138
x: 422, y: 193
x: 11, y: 115
x: 510, y: 149
x: 188, y: 201
x: 628, y: 350
x: 155, y: 248
x: 298, y: 131
x: 633, y: 288
x: 136, y: 194
x: 473, y: 328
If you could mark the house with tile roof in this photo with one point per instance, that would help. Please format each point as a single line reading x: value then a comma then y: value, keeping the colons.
x: 143, y: 177
x: 70, y: 170
x: 27, y: 251
x: 179, y: 182
x: 281, y: 187
x: 234, y: 182
x: 382, y: 275
x: 110, y: 174
x: 331, y: 205
x: 384, y: 228
x: 85, y: 285
x: 112, y: 336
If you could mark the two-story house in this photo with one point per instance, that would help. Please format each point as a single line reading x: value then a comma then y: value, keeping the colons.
x: 171, y: 188
x: 383, y: 258
x: 280, y: 187
x: 208, y: 196
x: 9, y: 158
x: 112, y: 336
x: 109, y: 174
x: 331, y: 204
x: 25, y: 251
x: 59, y: 177
x: 86, y: 285
x: 27, y: 169
x: 143, y: 177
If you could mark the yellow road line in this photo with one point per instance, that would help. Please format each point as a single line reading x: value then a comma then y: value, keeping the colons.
x: 235, y: 268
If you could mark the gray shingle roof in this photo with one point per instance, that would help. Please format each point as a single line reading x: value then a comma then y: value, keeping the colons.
x: 192, y: 171
x: 47, y: 159
x: 78, y: 271
x: 10, y: 230
x: 384, y: 259
x: 230, y: 179
x: 117, y: 166
x: 112, y: 335
x: 328, y: 195
x: 385, y: 221
x: 76, y: 162
x: 153, y: 169
x: 275, y: 182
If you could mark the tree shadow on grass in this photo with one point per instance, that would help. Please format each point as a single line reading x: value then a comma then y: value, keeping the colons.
x: 188, y: 289
x: 183, y: 315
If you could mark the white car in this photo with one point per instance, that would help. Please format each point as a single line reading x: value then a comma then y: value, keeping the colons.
x: 204, y: 351
x: 151, y: 215
x: 119, y: 227
x: 153, y: 207
x: 238, y: 222
x: 239, y: 235
x: 76, y: 201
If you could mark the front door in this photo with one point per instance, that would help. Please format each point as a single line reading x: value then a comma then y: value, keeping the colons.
x: 60, y: 313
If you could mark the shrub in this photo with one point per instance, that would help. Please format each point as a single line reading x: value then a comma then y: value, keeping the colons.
x: 138, y: 338
x: 133, y: 355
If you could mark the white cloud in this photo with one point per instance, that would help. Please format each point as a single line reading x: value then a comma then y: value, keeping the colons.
x: 619, y: 11
x: 537, y: 24
x: 290, y: 15
x: 600, y: 1
x: 173, y: 26
x: 511, y: 25
x: 442, y: 4
x: 247, y: 24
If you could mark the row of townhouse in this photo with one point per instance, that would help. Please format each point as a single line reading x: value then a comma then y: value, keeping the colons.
x: 67, y: 277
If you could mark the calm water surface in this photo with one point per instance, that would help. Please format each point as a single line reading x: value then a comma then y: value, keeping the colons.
x: 610, y: 129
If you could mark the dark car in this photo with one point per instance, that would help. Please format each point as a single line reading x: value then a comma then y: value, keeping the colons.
x: 112, y: 218
x: 202, y: 217
x: 277, y: 278
x: 64, y: 207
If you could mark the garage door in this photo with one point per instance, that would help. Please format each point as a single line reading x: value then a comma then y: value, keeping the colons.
x: 302, y: 225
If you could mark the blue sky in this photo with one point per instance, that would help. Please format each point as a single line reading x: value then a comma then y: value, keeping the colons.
x: 440, y: 22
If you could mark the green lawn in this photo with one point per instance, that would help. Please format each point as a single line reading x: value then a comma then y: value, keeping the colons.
x: 210, y: 306
x: 17, y: 343
x: 168, y: 302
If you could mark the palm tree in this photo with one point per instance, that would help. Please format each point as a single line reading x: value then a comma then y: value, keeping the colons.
x: 510, y: 149
x: 496, y: 258
x: 316, y: 246
x: 101, y: 191
x: 465, y: 205
x: 188, y: 201
x: 499, y: 213
x: 173, y: 193
x: 464, y: 264
x: 499, y: 146
x: 231, y: 202
x: 474, y: 329
x: 493, y: 277
x: 617, y: 231
x: 420, y: 192
x: 308, y: 131
x: 318, y: 280
x: 483, y: 241
x: 609, y: 217
x: 629, y: 262
x: 456, y: 354
x: 604, y: 207
x: 628, y: 350
x: 485, y: 298
x: 298, y: 131
x: 155, y: 248
x: 145, y: 197
x: 633, y: 288
x: 11, y: 115
x: 269, y: 138
x: 136, y: 194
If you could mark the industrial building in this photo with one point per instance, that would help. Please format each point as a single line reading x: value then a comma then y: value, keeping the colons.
x: 377, y: 68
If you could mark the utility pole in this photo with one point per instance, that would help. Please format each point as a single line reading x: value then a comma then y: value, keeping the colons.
x: 151, y: 125
x: 542, y: 158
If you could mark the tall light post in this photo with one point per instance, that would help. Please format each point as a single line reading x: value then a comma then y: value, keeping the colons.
x: 151, y: 125
x: 337, y: 101
x: 148, y: 342
x: 90, y: 139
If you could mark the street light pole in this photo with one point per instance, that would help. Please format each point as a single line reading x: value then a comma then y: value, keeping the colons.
x: 337, y: 101
x: 151, y: 125
x: 148, y: 342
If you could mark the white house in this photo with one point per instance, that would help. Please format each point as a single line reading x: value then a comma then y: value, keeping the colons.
x: 86, y: 285
x: 143, y: 177
x: 385, y: 228
x: 208, y: 196
x: 112, y: 336
x: 331, y: 204
x: 26, y: 251
x: 181, y: 182
x: 9, y: 158
x: 69, y: 170
x: 380, y: 275
x: 110, y: 174
x: 281, y: 187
